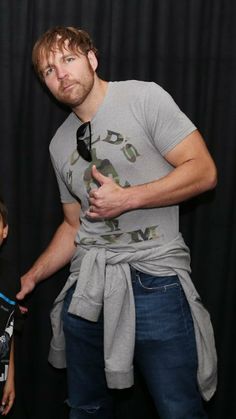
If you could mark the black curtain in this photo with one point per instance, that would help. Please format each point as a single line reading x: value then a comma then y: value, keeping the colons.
x: 189, y: 48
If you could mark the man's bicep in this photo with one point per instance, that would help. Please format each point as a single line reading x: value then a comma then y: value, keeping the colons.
x: 72, y: 214
x: 192, y: 147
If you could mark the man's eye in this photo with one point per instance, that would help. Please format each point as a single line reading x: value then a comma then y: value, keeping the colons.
x: 69, y: 59
x: 47, y: 72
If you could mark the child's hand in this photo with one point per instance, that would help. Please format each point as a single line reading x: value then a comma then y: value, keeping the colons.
x: 23, y: 309
x: 8, y: 397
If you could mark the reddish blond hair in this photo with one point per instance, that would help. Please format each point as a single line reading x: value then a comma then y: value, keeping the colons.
x: 55, y: 38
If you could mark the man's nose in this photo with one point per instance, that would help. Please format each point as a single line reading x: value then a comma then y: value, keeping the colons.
x: 61, y: 72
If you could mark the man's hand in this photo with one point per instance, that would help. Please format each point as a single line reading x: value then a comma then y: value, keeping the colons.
x: 27, y: 285
x: 109, y: 200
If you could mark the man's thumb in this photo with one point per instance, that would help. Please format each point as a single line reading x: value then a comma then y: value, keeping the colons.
x: 98, y: 175
x: 20, y: 295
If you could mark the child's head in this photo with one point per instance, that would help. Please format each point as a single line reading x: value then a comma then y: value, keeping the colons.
x: 3, y: 221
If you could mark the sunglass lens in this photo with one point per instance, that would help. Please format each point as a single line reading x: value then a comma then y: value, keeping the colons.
x: 82, y: 140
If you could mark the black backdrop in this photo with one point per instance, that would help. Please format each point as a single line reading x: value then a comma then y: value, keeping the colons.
x: 189, y: 48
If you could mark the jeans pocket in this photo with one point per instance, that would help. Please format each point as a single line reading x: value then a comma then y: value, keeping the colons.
x: 162, y: 311
x: 157, y: 284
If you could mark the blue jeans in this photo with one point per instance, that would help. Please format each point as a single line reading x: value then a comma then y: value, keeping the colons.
x: 165, y: 353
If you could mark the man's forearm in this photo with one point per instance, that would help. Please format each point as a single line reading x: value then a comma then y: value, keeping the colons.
x: 183, y: 183
x: 57, y: 254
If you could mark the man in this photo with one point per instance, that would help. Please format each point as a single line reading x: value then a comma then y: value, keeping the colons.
x: 124, y: 158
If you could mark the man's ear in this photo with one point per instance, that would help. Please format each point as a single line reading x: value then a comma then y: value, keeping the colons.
x: 93, y: 60
x: 5, y: 231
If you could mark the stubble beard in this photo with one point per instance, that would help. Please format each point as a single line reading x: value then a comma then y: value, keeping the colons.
x: 77, y: 95
x: 79, y: 91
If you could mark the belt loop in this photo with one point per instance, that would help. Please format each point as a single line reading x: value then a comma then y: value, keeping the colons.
x: 134, y: 273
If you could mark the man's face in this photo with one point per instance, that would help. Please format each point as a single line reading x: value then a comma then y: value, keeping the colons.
x: 69, y: 75
x: 3, y: 231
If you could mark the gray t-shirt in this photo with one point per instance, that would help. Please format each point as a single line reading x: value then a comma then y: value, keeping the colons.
x: 134, y: 127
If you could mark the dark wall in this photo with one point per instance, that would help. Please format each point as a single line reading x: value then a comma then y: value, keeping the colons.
x: 189, y: 48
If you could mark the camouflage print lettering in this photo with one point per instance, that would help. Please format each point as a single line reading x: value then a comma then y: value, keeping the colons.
x: 104, y: 166
x: 113, y: 224
x: 111, y: 238
x: 150, y: 233
x: 130, y: 152
x: 117, y: 140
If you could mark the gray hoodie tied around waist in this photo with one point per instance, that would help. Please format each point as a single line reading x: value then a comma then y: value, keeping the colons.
x: 103, y: 280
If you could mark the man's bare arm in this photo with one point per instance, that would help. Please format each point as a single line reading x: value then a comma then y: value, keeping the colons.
x: 194, y: 172
x: 58, y: 253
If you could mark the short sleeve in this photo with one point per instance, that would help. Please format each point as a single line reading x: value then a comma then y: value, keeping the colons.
x: 167, y: 124
x: 65, y: 194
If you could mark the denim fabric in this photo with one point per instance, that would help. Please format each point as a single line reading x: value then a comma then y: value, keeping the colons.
x: 87, y: 389
x: 165, y: 353
x: 165, y: 349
